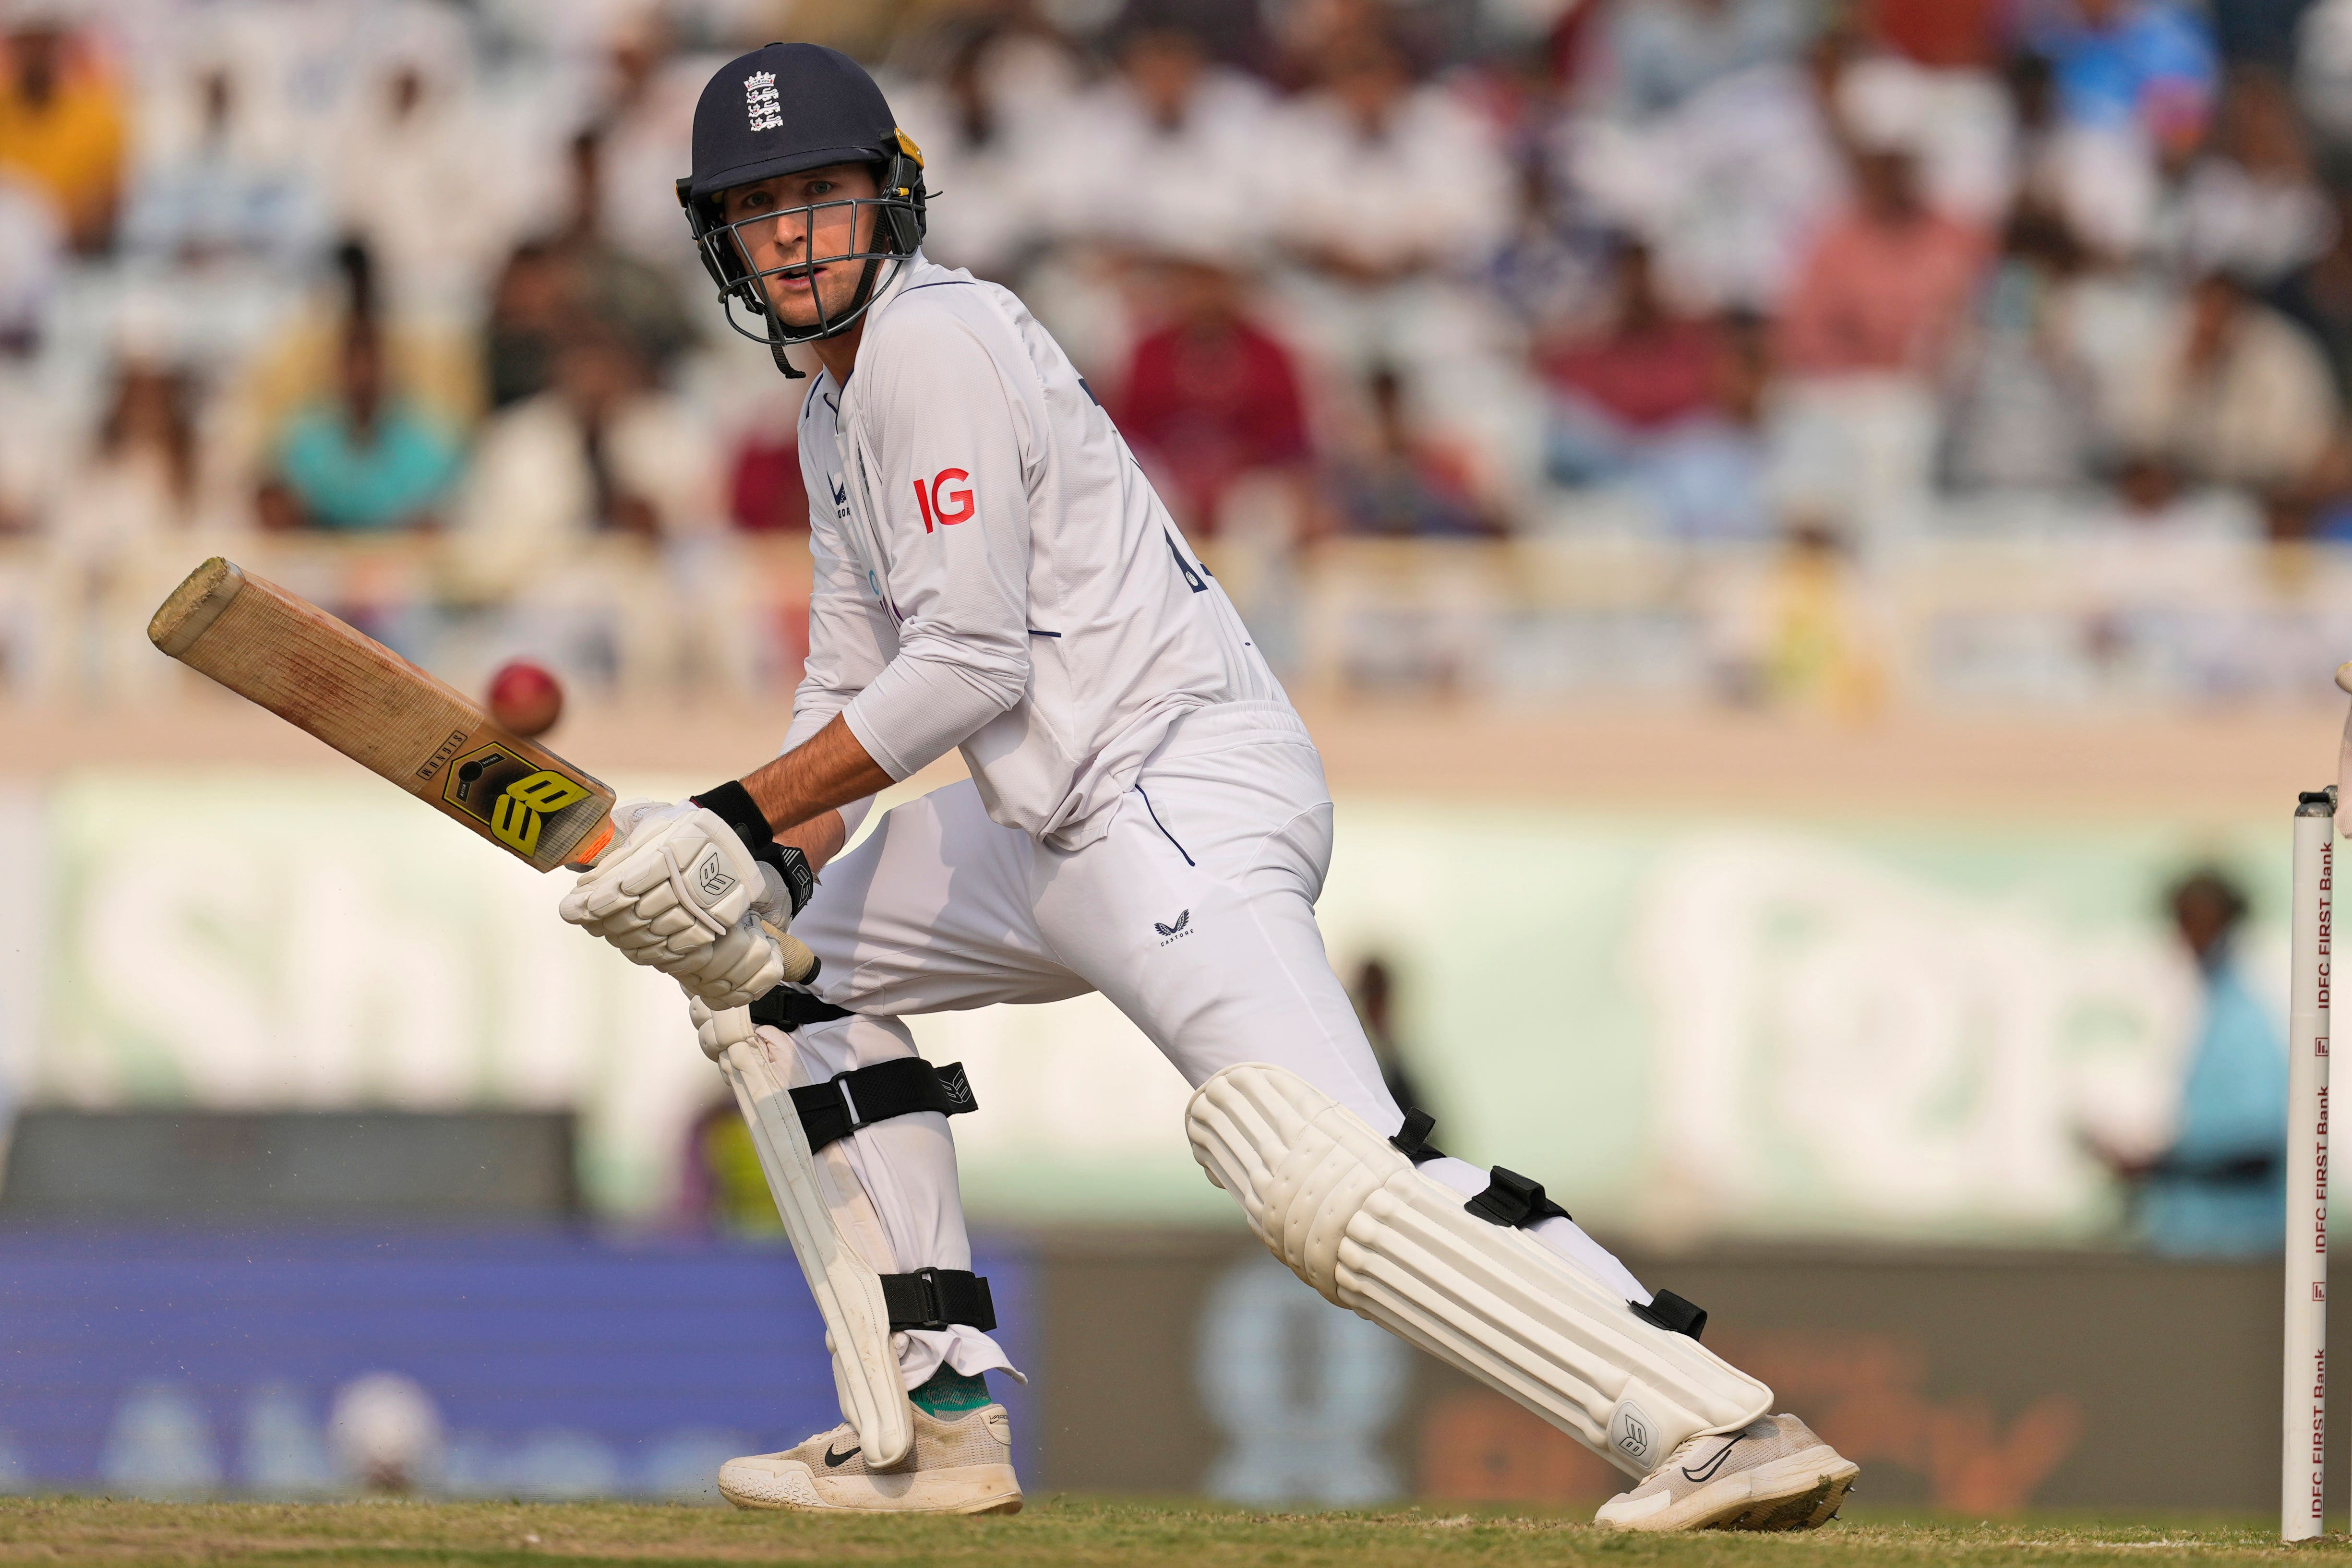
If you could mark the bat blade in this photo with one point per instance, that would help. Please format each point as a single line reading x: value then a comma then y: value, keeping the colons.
x: 323, y: 676
x: 320, y: 674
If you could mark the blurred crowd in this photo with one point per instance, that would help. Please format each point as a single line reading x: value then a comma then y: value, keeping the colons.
x: 1813, y: 276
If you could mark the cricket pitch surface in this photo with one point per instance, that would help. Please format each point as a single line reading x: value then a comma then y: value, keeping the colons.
x: 1054, y: 1530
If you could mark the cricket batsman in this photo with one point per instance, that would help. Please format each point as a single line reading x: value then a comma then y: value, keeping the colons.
x: 1146, y: 817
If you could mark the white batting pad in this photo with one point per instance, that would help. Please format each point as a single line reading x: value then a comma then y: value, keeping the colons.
x: 1352, y: 1217
x: 824, y: 1209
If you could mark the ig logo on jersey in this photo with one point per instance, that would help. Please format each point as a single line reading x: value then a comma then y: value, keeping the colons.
x: 941, y: 505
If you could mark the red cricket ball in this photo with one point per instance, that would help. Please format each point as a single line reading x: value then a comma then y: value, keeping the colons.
x: 525, y: 698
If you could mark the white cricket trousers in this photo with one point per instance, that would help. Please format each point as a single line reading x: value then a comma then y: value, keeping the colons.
x: 1194, y: 915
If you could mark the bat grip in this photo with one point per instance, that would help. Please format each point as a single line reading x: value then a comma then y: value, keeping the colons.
x: 800, y: 963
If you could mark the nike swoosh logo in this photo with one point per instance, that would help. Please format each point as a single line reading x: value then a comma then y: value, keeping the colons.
x: 834, y: 1460
x: 1706, y: 1471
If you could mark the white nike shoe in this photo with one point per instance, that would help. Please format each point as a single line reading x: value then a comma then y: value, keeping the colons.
x: 961, y: 1464
x: 1771, y: 1474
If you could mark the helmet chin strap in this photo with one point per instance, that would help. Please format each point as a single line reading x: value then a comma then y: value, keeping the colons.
x: 858, y: 301
x: 776, y: 349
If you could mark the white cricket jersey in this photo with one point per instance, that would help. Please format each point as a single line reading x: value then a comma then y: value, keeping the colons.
x: 995, y: 572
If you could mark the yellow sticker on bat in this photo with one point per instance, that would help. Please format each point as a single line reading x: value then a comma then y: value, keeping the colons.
x: 527, y: 803
x: 509, y: 795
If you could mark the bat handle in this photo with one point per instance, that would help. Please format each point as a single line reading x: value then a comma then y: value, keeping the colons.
x: 800, y: 963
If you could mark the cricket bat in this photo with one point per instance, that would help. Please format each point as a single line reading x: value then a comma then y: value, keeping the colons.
x: 320, y: 674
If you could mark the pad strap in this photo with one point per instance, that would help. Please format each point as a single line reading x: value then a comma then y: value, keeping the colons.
x: 787, y: 1009
x: 851, y: 1100
x: 1412, y: 1140
x: 733, y: 805
x: 1511, y: 1198
x: 938, y: 1298
x: 1671, y: 1313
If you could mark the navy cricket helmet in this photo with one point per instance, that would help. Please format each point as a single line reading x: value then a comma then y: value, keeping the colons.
x: 784, y: 108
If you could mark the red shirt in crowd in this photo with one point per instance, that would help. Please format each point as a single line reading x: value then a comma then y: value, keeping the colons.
x: 764, y: 494
x: 1212, y: 405
x: 1879, y: 295
x: 1942, y: 35
x: 1647, y: 378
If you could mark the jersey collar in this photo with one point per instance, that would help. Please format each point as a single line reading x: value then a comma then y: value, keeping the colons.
x: 919, y: 269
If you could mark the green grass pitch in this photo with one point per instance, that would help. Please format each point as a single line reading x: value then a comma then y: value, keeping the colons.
x: 1053, y: 1530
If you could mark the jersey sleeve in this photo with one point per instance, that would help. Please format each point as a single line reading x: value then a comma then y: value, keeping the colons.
x: 849, y: 636
x: 949, y: 482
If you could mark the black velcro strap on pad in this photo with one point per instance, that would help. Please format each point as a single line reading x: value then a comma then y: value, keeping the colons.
x: 865, y: 1095
x: 1412, y: 1140
x: 1671, y: 1313
x: 938, y: 1298
x: 788, y: 1010
x: 1511, y: 1198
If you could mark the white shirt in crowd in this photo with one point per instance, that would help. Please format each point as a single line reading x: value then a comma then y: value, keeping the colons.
x: 1203, y: 179
x: 2260, y: 414
x: 1431, y: 186
x: 530, y: 494
x: 418, y: 189
x: 992, y: 182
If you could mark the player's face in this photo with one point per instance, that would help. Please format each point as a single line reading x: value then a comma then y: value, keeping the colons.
x: 798, y: 221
